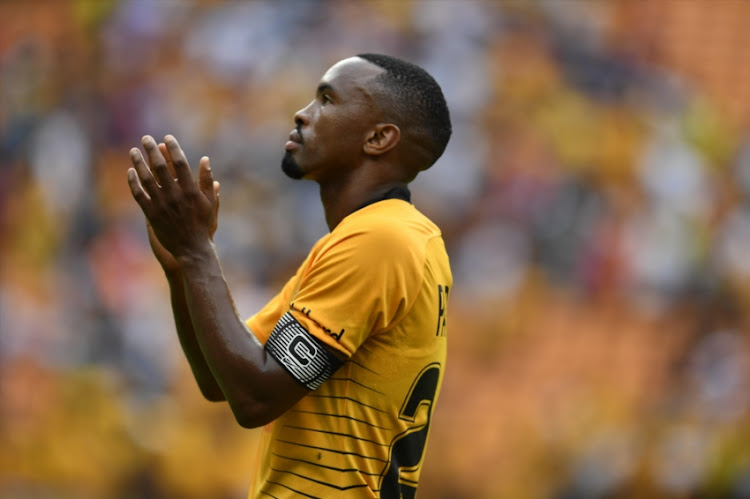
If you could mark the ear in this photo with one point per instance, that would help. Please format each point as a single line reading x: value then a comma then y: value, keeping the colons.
x: 382, y: 138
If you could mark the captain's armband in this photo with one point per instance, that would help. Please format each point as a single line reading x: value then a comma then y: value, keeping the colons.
x: 306, y: 358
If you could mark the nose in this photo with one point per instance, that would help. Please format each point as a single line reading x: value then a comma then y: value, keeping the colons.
x: 302, y: 117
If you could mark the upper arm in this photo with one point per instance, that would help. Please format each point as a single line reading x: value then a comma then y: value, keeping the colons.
x: 278, y: 393
x: 279, y: 389
x: 295, y: 363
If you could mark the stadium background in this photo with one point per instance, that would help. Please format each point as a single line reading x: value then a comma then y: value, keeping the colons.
x: 595, y: 200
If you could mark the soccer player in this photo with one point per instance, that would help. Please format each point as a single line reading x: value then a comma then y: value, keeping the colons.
x: 345, y: 364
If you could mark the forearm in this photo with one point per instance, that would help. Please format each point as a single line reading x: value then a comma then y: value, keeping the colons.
x: 182, y: 217
x: 190, y: 346
x: 235, y: 357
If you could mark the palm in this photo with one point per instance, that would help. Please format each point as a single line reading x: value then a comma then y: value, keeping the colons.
x: 164, y: 257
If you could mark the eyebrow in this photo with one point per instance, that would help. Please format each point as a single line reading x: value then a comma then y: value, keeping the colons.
x: 325, y: 87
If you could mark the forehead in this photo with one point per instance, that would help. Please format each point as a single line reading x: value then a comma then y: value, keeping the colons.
x: 351, y: 75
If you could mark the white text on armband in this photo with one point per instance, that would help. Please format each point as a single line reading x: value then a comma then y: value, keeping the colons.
x: 302, y: 354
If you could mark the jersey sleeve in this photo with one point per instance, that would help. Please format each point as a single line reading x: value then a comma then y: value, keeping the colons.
x: 309, y: 360
x: 358, y: 284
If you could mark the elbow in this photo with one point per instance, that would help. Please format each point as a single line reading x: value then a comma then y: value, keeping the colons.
x: 214, y: 397
x: 249, y: 423
x: 252, y: 414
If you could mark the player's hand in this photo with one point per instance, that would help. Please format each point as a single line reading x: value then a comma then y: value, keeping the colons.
x: 182, y: 214
x: 165, y: 258
x: 168, y: 158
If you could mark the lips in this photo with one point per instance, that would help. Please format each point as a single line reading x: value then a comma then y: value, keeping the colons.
x: 295, y: 136
x: 295, y: 140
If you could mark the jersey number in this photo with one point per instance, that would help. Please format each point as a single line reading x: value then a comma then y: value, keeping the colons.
x: 407, y: 448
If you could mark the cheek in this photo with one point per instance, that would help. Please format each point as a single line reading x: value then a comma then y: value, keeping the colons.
x: 313, y: 144
x: 321, y: 139
x: 346, y: 134
x: 335, y: 135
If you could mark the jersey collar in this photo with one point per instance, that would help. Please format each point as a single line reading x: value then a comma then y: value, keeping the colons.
x: 399, y: 192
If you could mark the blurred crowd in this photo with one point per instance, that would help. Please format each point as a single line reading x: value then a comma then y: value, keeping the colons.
x: 595, y: 201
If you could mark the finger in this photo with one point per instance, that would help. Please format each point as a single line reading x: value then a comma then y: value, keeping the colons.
x: 180, y: 163
x: 157, y: 163
x: 144, y: 176
x: 206, y: 179
x: 216, y: 196
x: 215, y: 224
x: 168, y: 158
x: 136, y: 189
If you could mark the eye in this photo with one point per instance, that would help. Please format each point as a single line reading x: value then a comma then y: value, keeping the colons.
x: 325, y: 98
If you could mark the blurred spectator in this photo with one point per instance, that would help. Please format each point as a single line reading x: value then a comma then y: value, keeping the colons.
x: 595, y: 199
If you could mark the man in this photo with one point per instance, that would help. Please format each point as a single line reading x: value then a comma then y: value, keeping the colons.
x: 345, y: 364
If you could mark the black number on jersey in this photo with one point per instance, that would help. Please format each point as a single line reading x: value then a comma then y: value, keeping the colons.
x: 442, y: 304
x: 407, y: 449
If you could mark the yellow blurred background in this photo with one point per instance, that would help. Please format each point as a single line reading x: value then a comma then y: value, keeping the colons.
x: 595, y: 200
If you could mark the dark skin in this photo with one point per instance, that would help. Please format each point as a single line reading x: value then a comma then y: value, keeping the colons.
x: 343, y: 144
x: 347, y: 147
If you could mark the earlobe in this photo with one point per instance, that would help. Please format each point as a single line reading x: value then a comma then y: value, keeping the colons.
x: 383, y: 138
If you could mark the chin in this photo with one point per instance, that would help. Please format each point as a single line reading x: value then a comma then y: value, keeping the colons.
x: 290, y: 167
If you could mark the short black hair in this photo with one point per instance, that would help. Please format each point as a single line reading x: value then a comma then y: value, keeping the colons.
x: 414, y: 99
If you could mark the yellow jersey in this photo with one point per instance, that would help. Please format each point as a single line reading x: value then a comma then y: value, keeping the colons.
x: 374, y: 290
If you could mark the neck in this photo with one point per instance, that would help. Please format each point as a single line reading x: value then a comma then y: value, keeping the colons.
x: 341, y: 200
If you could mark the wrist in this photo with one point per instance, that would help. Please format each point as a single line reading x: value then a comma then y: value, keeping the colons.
x: 197, y: 256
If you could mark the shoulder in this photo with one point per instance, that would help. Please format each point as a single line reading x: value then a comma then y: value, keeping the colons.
x: 385, y: 230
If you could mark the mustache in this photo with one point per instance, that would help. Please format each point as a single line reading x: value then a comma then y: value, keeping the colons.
x: 299, y: 134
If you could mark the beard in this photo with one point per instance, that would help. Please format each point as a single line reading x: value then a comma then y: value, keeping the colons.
x: 290, y: 167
